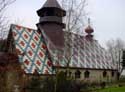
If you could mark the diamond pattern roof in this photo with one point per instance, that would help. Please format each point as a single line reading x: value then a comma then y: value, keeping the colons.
x: 31, y: 50
x: 82, y: 53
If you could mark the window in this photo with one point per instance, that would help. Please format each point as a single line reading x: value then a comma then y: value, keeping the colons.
x: 68, y: 73
x: 112, y: 73
x: 77, y: 74
x: 65, y: 73
x: 86, y: 74
x: 50, y: 12
x: 104, y: 74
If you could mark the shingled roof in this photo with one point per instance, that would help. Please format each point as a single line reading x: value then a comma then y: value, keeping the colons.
x: 37, y: 53
x: 82, y: 53
x: 31, y: 49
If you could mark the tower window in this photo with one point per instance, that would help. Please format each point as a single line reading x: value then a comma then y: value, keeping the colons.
x: 104, y: 74
x: 77, y: 74
x: 86, y: 74
x: 50, y: 12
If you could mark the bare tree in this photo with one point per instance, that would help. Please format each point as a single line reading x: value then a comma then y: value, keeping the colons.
x: 3, y: 19
x: 115, y: 48
x: 76, y: 14
x: 4, y: 22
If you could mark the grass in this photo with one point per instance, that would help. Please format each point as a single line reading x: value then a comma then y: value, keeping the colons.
x: 112, y: 89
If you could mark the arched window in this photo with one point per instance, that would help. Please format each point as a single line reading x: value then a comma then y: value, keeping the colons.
x: 65, y: 73
x: 104, y: 73
x: 86, y: 74
x: 68, y: 73
x: 77, y: 74
x: 112, y: 73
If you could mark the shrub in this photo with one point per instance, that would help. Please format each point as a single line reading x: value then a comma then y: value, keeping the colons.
x: 103, y: 84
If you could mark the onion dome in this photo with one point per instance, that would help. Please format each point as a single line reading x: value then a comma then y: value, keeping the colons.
x: 89, y: 29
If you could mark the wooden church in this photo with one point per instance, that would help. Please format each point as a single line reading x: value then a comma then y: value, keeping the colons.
x: 50, y: 48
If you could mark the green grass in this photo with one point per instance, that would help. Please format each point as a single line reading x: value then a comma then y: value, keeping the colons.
x: 112, y: 89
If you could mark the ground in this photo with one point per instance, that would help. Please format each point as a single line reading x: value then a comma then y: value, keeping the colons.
x: 112, y: 89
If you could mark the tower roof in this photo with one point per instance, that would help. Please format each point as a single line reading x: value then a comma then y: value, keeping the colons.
x: 51, y: 3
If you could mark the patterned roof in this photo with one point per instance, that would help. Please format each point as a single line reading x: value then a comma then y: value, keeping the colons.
x: 31, y: 49
x: 89, y: 54
x: 82, y: 53
x: 35, y: 49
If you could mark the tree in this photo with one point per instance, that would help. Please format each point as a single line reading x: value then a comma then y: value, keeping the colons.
x: 115, y: 48
x: 3, y: 19
x: 2, y: 45
x: 123, y: 58
x: 3, y: 22
x: 76, y: 14
x: 75, y: 19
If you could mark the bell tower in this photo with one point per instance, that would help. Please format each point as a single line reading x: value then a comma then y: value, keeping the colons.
x: 51, y: 15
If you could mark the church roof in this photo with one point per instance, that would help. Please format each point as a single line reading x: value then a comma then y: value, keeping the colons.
x: 31, y: 50
x: 37, y: 53
x: 89, y: 54
x: 83, y: 53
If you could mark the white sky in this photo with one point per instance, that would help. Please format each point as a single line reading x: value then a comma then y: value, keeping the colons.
x: 107, y: 16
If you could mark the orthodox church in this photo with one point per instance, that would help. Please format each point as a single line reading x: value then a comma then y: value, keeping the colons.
x: 50, y: 48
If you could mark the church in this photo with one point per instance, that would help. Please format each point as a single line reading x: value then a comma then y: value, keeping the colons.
x: 50, y: 48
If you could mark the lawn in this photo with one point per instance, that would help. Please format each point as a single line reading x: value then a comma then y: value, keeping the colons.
x: 112, y: 89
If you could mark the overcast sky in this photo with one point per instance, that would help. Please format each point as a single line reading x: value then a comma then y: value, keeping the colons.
x: 107, y: 16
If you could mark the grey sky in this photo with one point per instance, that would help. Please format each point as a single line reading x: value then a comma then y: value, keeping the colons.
x: 107, y: 16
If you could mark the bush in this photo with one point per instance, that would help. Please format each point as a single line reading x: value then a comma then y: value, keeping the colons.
x: 103, y: 85
x: 58, y: 84
x: 41, y: 85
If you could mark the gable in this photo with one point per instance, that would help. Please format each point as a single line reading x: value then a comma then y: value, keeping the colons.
x: 31, y: 50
